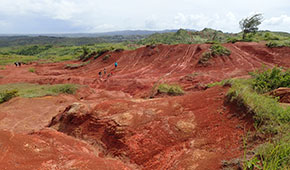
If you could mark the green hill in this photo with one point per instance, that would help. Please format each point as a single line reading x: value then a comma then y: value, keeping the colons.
x: 208, y: 35
x: 187, y: 37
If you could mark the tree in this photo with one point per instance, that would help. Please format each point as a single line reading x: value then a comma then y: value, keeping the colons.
x: 250, y: 24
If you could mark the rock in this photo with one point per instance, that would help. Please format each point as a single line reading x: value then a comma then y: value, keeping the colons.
x: 283, y: 93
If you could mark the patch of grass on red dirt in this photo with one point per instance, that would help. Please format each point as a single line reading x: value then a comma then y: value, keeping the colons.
x: 271, y: 119
x: 174, y: 90
x: 215, y: 50
x: 35, y: 90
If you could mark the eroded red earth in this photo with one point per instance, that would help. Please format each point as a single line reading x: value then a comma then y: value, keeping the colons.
x: 112, y: 123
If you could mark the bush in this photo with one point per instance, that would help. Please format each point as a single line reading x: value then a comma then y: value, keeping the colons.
x: 106, y: 57
x: 270, y: 118
x: 7, y: 95
x: 219, y: 50
x: 32, y: 70
x: 87, y: 57
x: 75, y: 66
x: 277, y: 44
x: 268, y: 36
x: 101, y: 52
x: 267, y: 80
x: 33, y: 50
x: 215, y: 50
x: 173, y: 90
x: 205, y: 57
x: 64, y: 88
x: 233, y: 40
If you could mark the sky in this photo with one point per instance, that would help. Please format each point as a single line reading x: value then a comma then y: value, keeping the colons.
x: 91, y: 16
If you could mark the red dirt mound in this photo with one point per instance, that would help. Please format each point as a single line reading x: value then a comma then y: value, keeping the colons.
x: 123, y: 126
x: 49, y: 149
x: 169, y: 133
x: 138, y: 70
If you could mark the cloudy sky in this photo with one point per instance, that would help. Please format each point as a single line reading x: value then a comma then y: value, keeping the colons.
x: 75, y: 16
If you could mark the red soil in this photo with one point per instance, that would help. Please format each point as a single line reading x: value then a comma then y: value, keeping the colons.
x: 194, y: 131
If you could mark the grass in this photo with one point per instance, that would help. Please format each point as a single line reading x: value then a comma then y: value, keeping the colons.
x: 270, y: 119
x: 218, y: 83
x: 106, y: 57
x: 27, y: 54
x: 278, y: 43
x: 32, y: 70
x: 7, y: 95
x: 75, y: 66
x: 174, y: 90
x: 34, y: 90
x: 214, y: 51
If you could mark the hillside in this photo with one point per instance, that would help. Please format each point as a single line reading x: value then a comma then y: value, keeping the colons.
x: 124, y: 120
x: 208, y: 35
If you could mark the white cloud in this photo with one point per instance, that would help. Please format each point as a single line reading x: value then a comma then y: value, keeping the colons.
x: 226, y: 22
x: 280, y: 23
x: 98, y: 15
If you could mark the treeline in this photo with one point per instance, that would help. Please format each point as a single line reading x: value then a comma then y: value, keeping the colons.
x: 8, y: 41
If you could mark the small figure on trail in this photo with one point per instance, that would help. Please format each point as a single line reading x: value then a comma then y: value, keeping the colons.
x: 100, y: 74
x: 105, y: 71
x: 19, y: 63
x: 116, y: 64
x: 16, y: 64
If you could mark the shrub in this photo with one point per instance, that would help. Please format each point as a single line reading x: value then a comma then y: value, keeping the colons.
x: 7, y: 95
x: 173, y: 90
x: 205, y: 57
x: 87, y: 57
x: 33, y: 50
x: 267, y: 80
x: 268, y: 36
x: 75, y: 66
x: 277, y: 44
x: 119, y: 50
x: 215, y: 50
x: 233, y: 40
x: 32, y: 70
x: 106, y: 57
x: 64, y: 88
x: 219, y: 50
x: 101, y: 52
x: 270, y: 118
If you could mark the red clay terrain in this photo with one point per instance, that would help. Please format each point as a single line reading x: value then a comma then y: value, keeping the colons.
x: 114, y: 123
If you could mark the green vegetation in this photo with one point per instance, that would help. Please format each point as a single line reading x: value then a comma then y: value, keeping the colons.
x: 11, y: 41
x: 35, y: 90
x: 48, y: 53
x: 186, y: 37
x: 75, y: 66
x: 7, y: 95
x: 173, y: 90
x: 250, y: 24
x: 266, y: 80
x: 219, y: 83
x: 215, y: 50
x: 32, y: 70
x: 32, y: 50
x: 106, y: 57
x: 271, y: 119
x: 275, y: 44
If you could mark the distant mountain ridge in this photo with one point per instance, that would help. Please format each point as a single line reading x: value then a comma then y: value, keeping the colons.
x: 102, y: 34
